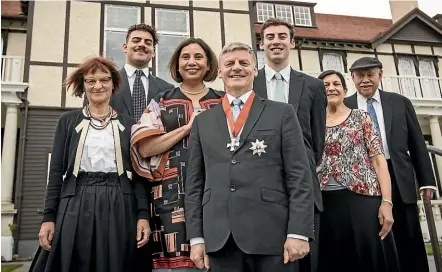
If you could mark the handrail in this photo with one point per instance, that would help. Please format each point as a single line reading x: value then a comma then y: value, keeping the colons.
x: 431, y: 222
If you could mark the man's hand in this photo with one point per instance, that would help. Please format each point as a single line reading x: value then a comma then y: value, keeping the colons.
x: 199, y: 257
x: 143, y: 232
x: 426, y: 193
x: 46, y: 234
x: 295, y: 249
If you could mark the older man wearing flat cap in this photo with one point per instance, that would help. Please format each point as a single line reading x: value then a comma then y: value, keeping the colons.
x: 405, y: 150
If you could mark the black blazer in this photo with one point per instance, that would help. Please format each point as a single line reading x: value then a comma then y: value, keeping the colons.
x: 403, y: 135
x: 121, y: 100
x: 307, y: 96
x: 64, y: 150
x: 257, y: 199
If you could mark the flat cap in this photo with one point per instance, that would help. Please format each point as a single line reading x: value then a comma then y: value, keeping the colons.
x: 365, y: 63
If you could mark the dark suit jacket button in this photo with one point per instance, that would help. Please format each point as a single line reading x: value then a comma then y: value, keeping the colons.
x: 232, y: 188
x: 234, y: 162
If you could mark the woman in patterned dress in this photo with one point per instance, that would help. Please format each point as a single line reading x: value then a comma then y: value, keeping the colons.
x: 355, y: 231
x: 95, y: 209
x: 159, y: 147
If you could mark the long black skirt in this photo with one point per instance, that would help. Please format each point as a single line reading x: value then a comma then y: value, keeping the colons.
x: 349, y: 235
x: 95, y: 229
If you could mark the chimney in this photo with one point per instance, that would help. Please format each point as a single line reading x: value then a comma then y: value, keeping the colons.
x: 401, y: 7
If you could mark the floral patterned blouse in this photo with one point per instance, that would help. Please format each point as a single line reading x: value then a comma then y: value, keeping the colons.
x: 347, y: 152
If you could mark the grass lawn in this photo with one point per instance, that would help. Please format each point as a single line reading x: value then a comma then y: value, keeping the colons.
x: 10, y: 267
x: 427, y: 247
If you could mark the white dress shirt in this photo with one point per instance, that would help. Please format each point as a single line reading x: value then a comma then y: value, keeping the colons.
x: 271, y: 81
x: 130, y: 71
x: 244, y: 97
x: 99, y: 151
x: 377, y: 105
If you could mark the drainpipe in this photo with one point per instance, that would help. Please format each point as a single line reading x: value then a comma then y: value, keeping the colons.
x: 19, y: 169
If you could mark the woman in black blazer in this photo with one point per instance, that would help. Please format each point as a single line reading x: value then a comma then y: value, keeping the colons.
x: 96, y: 208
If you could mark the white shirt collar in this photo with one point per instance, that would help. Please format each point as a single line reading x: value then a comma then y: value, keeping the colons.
x: 243, y: 97
x: 130, y: 70
x: 270, y: 73
x: 376, y: 96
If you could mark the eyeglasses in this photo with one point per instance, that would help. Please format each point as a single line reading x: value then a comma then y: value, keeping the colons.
x: 93, y: 81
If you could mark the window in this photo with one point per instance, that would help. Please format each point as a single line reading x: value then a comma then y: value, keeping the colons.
x: 408, y: 81
x: 265, y: 11
x: 117, y: 19
x: 333, y: 61
x: 284, y: 12
x: 173, y: 28
x: 302, y: 16
x: 261, y: 60
x: 429, y: 81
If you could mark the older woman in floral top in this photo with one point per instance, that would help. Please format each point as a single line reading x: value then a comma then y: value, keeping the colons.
x: 355, y: 225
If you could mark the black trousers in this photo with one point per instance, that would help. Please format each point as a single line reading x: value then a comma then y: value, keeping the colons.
x: 349, y: 235
x: 310, y: 262
x: 231, y: 259
x: 407, y: 232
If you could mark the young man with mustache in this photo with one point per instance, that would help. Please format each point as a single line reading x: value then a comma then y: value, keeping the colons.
x: 278, y: 81
x: 138, y: 86
x: 248, y: 202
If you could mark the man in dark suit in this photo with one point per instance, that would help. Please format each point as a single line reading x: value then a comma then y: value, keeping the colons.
x: 138, y: 85
x: 248, y: 201
x: 278, y: 81
x: 405, y: 149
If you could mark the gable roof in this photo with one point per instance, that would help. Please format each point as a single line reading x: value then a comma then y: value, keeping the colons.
x: 342, y: 28
x: 415, y: 14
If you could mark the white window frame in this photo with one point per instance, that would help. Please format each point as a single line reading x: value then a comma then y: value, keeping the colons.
x: 114, y: 29
x: 160, y: 33
x: 286, y: 9
x: 261, y: 5
x: 302, y: 11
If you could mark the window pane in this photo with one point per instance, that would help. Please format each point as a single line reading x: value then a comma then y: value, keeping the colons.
x: 265, y: 11
x: 172, y: 20
x: 114, y: 47
x: 121, y: 17
x: 331, y: 61
x: 302, y: 16
x: 260, y: 59
x: 284, y: 12
x: 165, y: 50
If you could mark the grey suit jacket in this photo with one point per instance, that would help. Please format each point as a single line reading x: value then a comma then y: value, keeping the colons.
x: 406, y: 144
x: 307, y: 96
x: 257, y: 199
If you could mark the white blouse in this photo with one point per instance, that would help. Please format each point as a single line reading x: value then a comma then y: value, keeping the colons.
x: 99, y: 150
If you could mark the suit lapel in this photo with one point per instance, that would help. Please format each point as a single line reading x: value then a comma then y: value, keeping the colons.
x: 125, y: 92
x: 153, y: 89
x: 295, y: 89
x: 387, y: 108
x: 351, y: 102
x: 256, y: 110
x: 222, y: 122
x: 260, y: 84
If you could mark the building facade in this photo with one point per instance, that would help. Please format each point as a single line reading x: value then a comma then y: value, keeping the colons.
x: 57, y: 35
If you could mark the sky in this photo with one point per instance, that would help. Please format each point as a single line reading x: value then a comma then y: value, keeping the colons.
x: 370, y: 8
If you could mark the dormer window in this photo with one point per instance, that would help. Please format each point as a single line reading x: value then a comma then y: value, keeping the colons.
x: 297, y: 15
